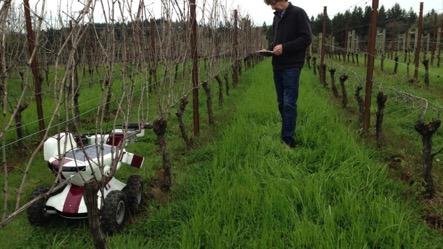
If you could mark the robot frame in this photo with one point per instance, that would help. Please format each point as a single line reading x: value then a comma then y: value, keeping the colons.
x: 81, y: 159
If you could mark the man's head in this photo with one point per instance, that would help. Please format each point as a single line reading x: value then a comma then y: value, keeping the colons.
x: 277, y: 5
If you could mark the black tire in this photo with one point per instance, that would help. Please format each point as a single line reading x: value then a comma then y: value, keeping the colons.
x: 36, y: 213
x: 134, y: 193
x: 114, y: 210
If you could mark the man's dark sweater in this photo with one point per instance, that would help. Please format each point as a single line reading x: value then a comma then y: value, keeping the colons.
x: 293, y: 30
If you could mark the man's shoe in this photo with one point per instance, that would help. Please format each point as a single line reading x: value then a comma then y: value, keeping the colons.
x: 290, y: 142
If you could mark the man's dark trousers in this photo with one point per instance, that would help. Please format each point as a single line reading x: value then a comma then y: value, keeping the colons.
x: 286, y: 84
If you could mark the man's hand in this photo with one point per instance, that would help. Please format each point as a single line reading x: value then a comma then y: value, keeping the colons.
x: 278, y: 50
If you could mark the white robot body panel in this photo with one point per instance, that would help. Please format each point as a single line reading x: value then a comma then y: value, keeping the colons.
x: 70, y: 202
x: 58, y: 145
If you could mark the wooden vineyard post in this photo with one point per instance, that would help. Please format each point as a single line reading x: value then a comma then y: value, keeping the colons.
x: 418, y: 41
x: 408, y: 45
x: 352, y: 49
x: 333, y: 46
x: 3, y: 71
x: 322, y: 52
x: 153, y: 54
x: 195, y: 81
x: 404, y: 46
x: 380, y: 47
x: 323, y: 75
x: 428, y: 42
x: 426, y: 65
x: 383, y: 49
x: 393, y: 48
x: 370, y: 67
x: 32, y: 49
x: 346, y: 46
x: 235, y: 68
x: 74, y: 84
x: 434, y: 44
x: 353, y: 34
x: 438, y: 45
x: 320, y: 39
x: 415, y: 33
x: 356, y: 48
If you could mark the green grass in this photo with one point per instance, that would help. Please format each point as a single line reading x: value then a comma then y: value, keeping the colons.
x: 244, y: 189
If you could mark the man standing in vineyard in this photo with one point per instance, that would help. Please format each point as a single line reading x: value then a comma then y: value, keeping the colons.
x: 291, y: 36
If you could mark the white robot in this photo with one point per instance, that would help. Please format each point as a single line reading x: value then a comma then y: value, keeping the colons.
x: 80, y: 159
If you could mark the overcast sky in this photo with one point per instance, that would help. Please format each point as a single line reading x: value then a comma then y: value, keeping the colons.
x: 260, y: 12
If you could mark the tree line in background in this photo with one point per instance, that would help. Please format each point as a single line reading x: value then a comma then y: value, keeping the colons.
x: 396, y: 20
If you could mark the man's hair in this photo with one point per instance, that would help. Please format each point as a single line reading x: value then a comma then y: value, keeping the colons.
x: 269, y: 2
